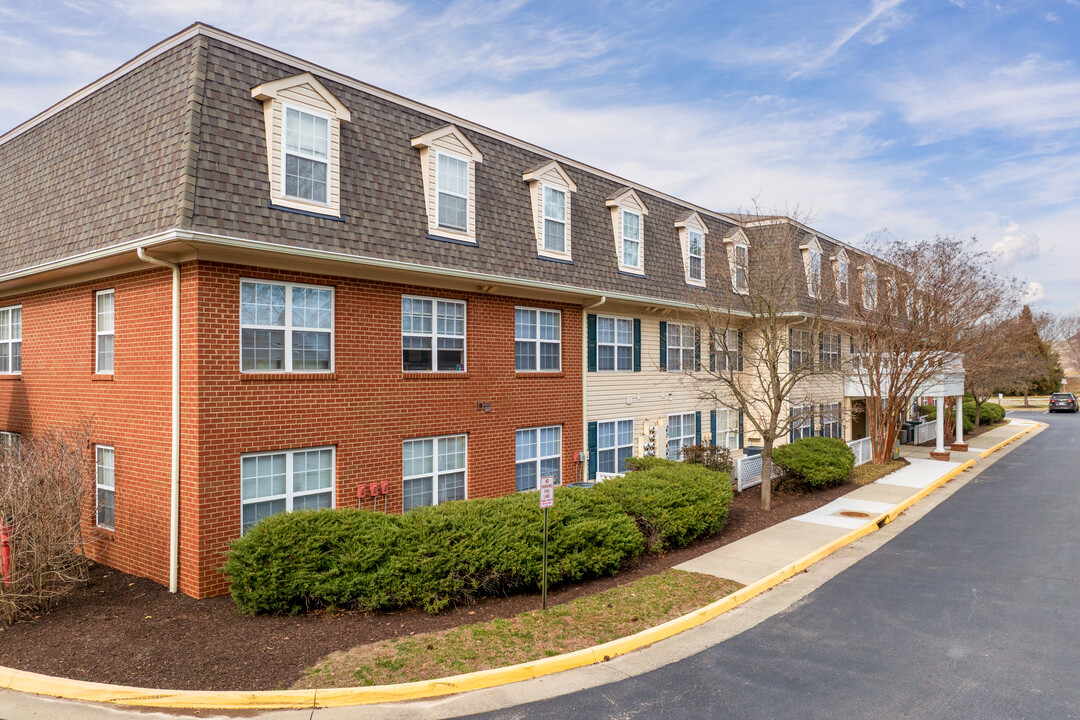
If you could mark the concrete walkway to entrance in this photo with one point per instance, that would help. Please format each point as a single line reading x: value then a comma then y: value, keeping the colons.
x: 763, y: 553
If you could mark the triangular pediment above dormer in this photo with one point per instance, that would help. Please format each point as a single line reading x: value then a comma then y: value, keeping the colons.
x: 841, y: 256
x: 736, y: 236
x: 693, y: 221
x: 303, y: 89
x: 811, y: 242
x: 551, y: 172
x: 449, y: 138
x: 627, y: 198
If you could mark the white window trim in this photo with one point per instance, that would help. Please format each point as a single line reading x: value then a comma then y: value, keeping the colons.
x: 680, y: 348
x: 544, y: 249
x: 467, y: 196
x: 869, y: 288
x: 802, y: 420
x: 98, y: 487
x: 289, y: 495
x: 728, y: 435
x: 11, y: 341
x: 288, y: 327
x: 842, y: 267
x: 830, y: 360
x: 99, y: 333
x: 537, y: 341
x: 436, y: 472
x: 314, y: 204
x: 539, y: 457
x: 831, y: 415
x: 8, y: 439
x: 727, y: 361
x: 616, y: 446
x: 616, y: 345
x: 667, y: 432
x: 690, y: 257
x: 435, y: 335
x: 735, y: 267
x: 623, y: 239
x: 805, y: 351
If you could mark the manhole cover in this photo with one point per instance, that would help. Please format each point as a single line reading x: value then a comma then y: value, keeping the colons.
x: 853, y: 514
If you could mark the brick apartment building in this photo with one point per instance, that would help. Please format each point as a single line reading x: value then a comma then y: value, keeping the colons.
x: 270, y: 284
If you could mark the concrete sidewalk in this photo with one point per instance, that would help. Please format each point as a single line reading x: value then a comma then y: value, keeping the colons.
x: 763, y: 553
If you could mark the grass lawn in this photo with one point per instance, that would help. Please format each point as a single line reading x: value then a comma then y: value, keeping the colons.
x: 868, y: 473
x: 578, y: 624
x: 1037, y: 402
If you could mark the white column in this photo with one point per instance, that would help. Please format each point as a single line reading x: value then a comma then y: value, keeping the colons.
x: 941, y: 423
x: 959, y: 419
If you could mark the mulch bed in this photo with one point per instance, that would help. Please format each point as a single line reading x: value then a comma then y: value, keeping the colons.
x: 131, y: 631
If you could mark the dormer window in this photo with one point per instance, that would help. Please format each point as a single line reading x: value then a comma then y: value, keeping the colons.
x: 811, y: 252
x: 869, y: 287
x: 840, y: 263
x: 692, y: 230
x: 448, y: 168
x: 738, y: 260
x: 549, y: 190
x: 628, y: 220
x: 303, y: 139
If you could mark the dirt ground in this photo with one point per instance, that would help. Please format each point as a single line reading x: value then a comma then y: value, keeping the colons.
x: 131, y: 631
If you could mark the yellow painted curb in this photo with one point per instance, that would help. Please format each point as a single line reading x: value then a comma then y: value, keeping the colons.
x: 337, y: 697
x: 990, y: 451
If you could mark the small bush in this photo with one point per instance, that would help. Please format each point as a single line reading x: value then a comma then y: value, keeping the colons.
x: 673, y: 503
x: 816, y: 462
x: 430, y: 557
x: 990, y: 414
x: 712, y: 457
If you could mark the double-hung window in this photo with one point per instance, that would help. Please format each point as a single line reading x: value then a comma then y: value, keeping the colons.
x: 829, y: 345
x: 286, y: 327
x: 8, y: 440
x: 537, y: 340
x: 681, y: 344
x: 631, y: 239
x: 452, y: 180
x: 614, y: 344
x: 696, y: 253
x: 740, y: 268
x: 830, y: 420
x: 842, y: 281
x: 434, y: 470
x: 728, y: 350
x: 106, y: 486
x: 727, y: 428
x: 277, y: 482
x: 814, y: 273
x: 681, y: 432
x: 105, y: 332
x: 432, y: 335
x: 538, y: 453
x: 614, y: 445
x: 802, y: 422
x: 307, y: 155
x: 11, y: 340
x: 554, y: 219
x: 869, y: 289
x: 799, y: 352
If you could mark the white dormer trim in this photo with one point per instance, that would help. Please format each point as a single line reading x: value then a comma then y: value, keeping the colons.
x: 870, y: 285
x: 842, y: 276
x: 305, y: 93
x: 734, y: 240
x: 692, y: 223
x: 450, y: 141
x: 550, y: 175
x: 627, y: 200
x: 809, y: 249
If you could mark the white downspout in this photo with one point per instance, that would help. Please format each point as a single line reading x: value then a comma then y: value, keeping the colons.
x: 174, y: 499
x: 585, y: 381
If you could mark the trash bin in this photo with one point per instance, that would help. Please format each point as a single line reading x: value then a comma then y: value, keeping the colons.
x: 751, y: 450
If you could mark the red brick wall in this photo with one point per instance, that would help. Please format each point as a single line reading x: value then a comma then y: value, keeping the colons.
x: 129, y: 410
x: 368, y: 406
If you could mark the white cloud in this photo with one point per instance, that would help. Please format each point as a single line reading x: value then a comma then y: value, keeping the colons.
x: 1016, y: 246
x: 883, y: 10
x: 1034, y: 293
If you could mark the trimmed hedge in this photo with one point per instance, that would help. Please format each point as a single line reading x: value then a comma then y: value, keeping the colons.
x: 673, y: 503
x: 816, y: 462
x: 429, y: 557
x: 990, y: 414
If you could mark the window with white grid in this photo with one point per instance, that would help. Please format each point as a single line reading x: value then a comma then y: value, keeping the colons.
x: 432, y: 335
x: 286, y: 327
x: 11, y: 340
x: 537, y: 340
x: 434, y: 470
x: 727, y: 428
x: 283, y: 481
x: 614, y: 445
x: 614, y: 344
x: 681, y: 432
x: 103, y: 363
x: 681, y: 344
x: 538, y: 453
x: 105, y: 458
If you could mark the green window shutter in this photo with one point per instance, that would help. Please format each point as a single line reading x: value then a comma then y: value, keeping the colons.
x: 740, y: 429
x: 790, y: 349
x: 712, y: 357
x: 739, y: 354
x: 637, y: 344
x: 697, y: 348
x: 592, y: 343
x: 592, y: 451
x: 821, y: 348
x: 791, y: 426
x: 712, y: 426
x: 811, y: 422
x: 663, y: 345
x: 697, y: 428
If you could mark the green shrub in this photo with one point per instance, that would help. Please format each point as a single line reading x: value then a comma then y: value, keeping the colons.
x: 429, y: 557
x: 816, y: 462
x: 713, y: 457
x: 990, y: 414
x: 673, y: 503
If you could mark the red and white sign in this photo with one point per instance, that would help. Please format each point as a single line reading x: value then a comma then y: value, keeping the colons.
x: 547, y: 491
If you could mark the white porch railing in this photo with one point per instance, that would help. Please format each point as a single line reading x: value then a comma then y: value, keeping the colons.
x: 863, y: 449
x: 925, y: 432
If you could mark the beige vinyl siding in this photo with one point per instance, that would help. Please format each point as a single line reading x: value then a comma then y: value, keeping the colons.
x: 306, y: 95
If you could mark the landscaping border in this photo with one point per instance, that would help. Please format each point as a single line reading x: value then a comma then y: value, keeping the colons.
x: 57, y: 687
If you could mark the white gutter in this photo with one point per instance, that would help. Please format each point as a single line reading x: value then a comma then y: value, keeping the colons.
x: 174, y: 499
x: 585, y: 381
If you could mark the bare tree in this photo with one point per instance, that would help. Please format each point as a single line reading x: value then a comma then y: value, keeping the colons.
x: 940, y: 292
x: 994, y: 359
x: 46, y: 496
x: 771, y: 335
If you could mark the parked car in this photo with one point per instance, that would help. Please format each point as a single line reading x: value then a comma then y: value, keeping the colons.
x: 1065, y: 402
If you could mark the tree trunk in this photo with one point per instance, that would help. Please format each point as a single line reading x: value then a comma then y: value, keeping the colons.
x: 1026, y: 403
x: 766, y: 475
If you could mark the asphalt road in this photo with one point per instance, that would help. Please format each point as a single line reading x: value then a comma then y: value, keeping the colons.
x: 973, y: 612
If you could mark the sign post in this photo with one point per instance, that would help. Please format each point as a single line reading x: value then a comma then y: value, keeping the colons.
x: 547, y: 499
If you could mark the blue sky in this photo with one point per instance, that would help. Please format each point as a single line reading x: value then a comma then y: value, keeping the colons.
x: 912, y: 118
